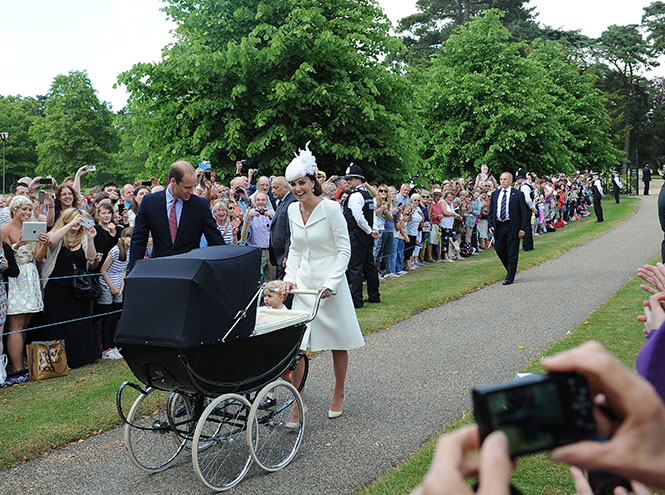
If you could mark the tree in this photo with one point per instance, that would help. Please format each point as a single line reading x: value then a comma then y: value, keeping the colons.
x: 653, y: 20
x: 17, y: 114
x: 627, y: 52
x: 129, y: 164
x: 580, y: 107
x: 259, y: 79
x: 76, y: 129
x: 425, y: 31
x: 488, y: 104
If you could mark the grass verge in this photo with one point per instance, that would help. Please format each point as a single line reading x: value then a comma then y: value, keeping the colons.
x: 615, y: 325
x: 36, y: 417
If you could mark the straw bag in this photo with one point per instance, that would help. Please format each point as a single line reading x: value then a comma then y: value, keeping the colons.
x: 47, y: 359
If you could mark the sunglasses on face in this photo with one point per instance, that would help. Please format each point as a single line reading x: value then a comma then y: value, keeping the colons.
x: 383, y: 190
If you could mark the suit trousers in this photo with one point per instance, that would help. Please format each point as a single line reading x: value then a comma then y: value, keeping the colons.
x: 507, y: 247
x: 646, y: 188
x: 362, y: 266
x: 527, y: 240
x: 598, y: 209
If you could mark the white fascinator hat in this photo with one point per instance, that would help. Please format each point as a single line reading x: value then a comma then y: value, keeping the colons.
x: 303, y: 164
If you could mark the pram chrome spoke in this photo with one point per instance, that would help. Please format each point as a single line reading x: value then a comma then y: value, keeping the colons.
x: 219, y: 449
x: 273, y: 438
x: 151, y: 442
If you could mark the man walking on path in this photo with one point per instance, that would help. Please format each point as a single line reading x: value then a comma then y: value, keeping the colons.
x: 527, y: 190
x: 597, y: 194
x: 508, y: 222
x: 646, y: 178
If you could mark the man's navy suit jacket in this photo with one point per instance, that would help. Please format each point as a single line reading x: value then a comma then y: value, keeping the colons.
x: 195, y: 220
x: 519, y: 213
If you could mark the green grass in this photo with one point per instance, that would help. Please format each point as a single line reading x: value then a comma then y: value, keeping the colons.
x: 36, y: 417
x: 435, y: 284
x: 615, y: 325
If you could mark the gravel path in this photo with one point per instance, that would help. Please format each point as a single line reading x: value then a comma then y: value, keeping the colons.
x: 405, y: 385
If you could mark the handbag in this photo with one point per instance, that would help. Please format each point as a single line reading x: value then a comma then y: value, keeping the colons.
x: 86, y: 285
x: 47, y: 359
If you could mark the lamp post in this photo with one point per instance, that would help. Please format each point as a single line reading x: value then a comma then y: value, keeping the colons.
x: 3, y: 137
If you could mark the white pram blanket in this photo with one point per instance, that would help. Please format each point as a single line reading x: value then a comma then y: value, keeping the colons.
x: 269, y: 319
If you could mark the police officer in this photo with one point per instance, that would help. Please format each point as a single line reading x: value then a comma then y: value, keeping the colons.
x: 616, y: 183
x: 597, y: 194
x: 359, y: 214
x: 527, y: 190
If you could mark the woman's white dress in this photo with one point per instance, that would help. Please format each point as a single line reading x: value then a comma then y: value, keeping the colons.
x: 318, y: 257
x: 24, y: 291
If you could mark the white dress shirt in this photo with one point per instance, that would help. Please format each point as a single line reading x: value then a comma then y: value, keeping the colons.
x: 356, y: 203
x: 498, y: 204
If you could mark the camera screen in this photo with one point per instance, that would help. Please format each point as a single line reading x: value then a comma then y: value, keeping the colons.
x: 531, y: 416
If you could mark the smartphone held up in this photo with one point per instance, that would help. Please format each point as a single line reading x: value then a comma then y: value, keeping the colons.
x: 536, y: 412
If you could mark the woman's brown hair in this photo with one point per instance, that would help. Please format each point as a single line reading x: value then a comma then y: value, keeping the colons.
x: 58, y: 192
x: 126, y: 232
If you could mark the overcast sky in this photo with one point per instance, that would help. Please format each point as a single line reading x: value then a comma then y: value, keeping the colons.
x: 42, y: 38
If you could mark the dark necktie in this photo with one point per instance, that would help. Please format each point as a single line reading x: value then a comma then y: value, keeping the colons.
x: 173, y: 221
x: 504, y: 206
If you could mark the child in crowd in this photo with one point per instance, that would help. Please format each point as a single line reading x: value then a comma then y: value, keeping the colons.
x: 539, y: 222
x: 483, y: 222
x: 402, y: 238
x: 113, y: 284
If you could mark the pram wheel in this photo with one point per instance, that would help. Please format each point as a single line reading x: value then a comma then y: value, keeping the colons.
x: 219, y: 449
x: 271, y: 443
x: 150, y: 439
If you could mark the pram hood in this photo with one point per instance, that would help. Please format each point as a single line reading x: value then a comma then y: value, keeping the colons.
x: 191, y: 299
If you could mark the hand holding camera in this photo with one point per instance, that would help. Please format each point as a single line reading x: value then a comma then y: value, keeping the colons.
x: 636, y: 449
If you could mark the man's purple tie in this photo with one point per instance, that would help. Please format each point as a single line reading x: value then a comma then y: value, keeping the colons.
x: 504, y: 206
x: 173, y: 222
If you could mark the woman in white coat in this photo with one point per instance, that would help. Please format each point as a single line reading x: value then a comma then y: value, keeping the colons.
x: 317, y: 259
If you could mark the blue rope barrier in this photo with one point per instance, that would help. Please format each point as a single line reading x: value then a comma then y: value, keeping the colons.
x: 63, y: 322
x: 16, y: 280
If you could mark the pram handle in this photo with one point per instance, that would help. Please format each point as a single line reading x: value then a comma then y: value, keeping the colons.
x: 319, y: 298
x: 309, y: 292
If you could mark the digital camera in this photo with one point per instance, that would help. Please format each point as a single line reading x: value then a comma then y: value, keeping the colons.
x: 536, y: 412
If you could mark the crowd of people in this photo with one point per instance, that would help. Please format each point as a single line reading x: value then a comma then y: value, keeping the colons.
x: 393, y: 229
x: 336, y: 234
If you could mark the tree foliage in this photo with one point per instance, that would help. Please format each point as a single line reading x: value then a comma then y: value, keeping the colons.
x: 488, y: 103
x: 17, y: 114
x: 627, y: 53
x: 580, y: 107
x: 425, y: 31
x: 259, y: 79
x: 76, y: 128
x: 653, y: 20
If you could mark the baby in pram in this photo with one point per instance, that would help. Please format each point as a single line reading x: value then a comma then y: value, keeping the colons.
x: 274, y: 314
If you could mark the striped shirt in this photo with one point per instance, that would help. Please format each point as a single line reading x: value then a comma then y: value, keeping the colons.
x: 116, y: 269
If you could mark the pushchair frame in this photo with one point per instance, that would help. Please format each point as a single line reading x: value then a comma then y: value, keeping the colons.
x: 213, y: 398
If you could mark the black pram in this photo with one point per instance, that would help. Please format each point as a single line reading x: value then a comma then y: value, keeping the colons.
x: 185, y: 333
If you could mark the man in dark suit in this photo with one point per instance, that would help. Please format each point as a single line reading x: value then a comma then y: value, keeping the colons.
x: 280, y: 232
x: 661, y: 216
x: 646, y: 178
x: 508, y: 222
x: 175, y: 216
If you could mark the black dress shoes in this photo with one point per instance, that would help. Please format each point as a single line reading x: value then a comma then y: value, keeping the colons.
x: 373, y: 300
x: 507, y: 282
